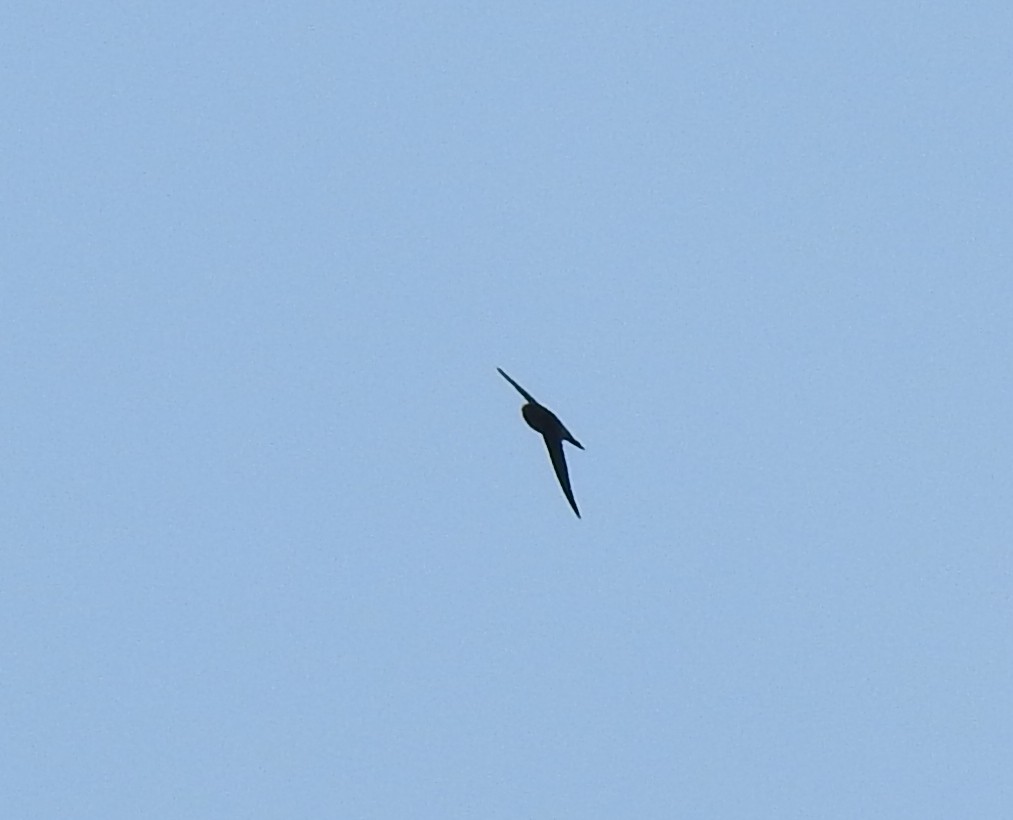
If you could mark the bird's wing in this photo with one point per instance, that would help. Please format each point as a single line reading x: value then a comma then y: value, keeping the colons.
x: 520, y: 389
x: 555, y: 447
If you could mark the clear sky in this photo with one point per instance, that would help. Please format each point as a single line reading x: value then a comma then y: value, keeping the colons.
x: 274, y: 539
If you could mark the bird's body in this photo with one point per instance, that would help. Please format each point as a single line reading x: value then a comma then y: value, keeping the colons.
x: 542, y: 420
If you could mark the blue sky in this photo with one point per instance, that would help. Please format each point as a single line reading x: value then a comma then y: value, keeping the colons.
x: 275, y: 539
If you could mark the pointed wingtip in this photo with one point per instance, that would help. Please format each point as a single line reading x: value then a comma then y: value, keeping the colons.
x: 527, y: 396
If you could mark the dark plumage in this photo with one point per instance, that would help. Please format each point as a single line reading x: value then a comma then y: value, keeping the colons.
x: 543, y: 420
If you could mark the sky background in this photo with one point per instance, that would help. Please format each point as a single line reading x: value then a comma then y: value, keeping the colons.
x: 274, y: 539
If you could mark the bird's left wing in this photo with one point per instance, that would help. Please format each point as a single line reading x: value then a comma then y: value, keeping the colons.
x: 555, y: 448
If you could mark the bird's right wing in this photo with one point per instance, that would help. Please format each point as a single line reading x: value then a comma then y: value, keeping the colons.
x: 520, y: 389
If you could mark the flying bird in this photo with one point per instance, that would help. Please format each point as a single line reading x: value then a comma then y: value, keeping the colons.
x: 543, y: 420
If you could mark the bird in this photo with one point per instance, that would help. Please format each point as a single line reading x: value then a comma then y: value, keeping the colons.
x: 542, y: 420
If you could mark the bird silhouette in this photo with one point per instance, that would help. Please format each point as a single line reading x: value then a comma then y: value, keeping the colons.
x: 543, y: 420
